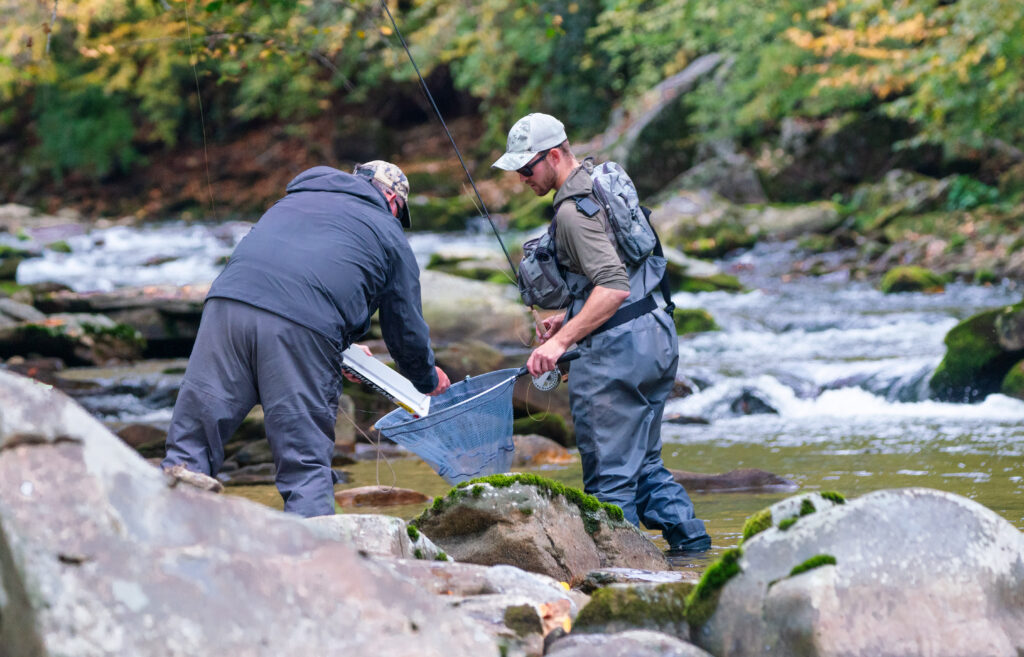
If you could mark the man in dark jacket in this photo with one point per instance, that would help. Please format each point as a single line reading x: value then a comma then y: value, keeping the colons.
x: 297, y: 291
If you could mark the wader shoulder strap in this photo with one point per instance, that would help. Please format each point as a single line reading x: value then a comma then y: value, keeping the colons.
x: 666, y: 289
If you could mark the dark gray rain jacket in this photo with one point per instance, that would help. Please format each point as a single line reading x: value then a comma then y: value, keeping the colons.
x: 327, y: 256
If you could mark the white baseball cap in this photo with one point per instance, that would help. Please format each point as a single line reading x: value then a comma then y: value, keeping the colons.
x: 530, y: 135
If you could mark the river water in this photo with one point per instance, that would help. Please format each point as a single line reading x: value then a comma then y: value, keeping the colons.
x: 821, y: 380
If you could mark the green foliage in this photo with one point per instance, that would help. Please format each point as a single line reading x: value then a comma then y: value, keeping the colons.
x: 639, y: 607
x: 807, y: 507
x: 414, y: 534
x: 816, y: 561
x: 966, y: 193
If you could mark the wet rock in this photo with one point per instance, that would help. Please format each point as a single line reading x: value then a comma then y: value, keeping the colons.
x: 378, y: 496
x: 458, y: 309
x: 469, y: 358
x: 76, y: 338
x: 751, y: 402
x: 537, y: 525
x: 622, y: 607
x: 533, y: 450
x: 685, y: 419
x: 166, y: 316
x: 95, y: 542
x: 263, y: 474
x: 634, y: 643
x: 1013, y: 382
x: 19, y: 312
x: 382, y: 536
x: 546, y: 424
x: 517, y: 622
x: 474, y: 263
x: 897, y: 572
x: 744, y: 479
x: 597, y: 579
x: 912, y: 279
x: 137, y: 435
x: 44, y: 370
x: 976, y: 363
x: 345, y: 429
x: 254, y: 453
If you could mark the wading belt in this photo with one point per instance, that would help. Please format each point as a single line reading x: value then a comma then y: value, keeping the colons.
x: 627, y: 313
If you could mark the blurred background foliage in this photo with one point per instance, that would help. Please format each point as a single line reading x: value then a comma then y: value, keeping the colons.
x: 97, y: 86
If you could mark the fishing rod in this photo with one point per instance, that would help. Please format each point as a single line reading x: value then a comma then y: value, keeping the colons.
x: 430, y: 97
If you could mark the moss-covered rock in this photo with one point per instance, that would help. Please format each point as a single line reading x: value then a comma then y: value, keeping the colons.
x: 441, y: 214
x: 693, y: 320
x: 975, y: 363
x: 703, y: 600
x: 549, y: 425
x: 723, y: 282
x: 912, y: 279
x: 1013, y: 382
x: 619, y: 608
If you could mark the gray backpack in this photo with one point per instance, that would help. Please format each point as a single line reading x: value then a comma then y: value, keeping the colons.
x: 616, y: 193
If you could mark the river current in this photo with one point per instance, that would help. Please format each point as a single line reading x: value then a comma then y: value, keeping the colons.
x: 822, y: 380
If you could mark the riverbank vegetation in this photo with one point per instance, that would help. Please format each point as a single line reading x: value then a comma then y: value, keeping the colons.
x: 98, y: 91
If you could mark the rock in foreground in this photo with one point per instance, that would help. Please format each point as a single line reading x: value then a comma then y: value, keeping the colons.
x: 99, y: 556
x: 896, y: 573
x: 537, y: 525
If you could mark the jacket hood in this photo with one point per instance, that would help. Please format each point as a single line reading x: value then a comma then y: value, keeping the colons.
x: 328, y: 179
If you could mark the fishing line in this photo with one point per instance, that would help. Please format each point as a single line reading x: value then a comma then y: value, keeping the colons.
x: 202, y: 116
x: 430, y: 97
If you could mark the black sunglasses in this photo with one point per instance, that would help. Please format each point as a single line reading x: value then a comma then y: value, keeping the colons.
x: 527, y: 169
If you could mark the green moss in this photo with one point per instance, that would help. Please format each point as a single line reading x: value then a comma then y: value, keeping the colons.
x: 590, y: 507
x: 549, y: 425
x: 477, y: 491
x: 12, y: 252
x: 59, y: 246
x: 807, y: 507
x: 974, y: 365
x: 710, y: 284
x: 786, y: 523
x: 833, y: 496
x: 757, y: 523
x: 441, y: 556
x: 985, y: 277
x: 414, y: 534
x: 418, y: 553
x: 121, y: 332
x: 703, y: 600
x: 812, y: 563
x: 523, y: 620
x: 693, y: 320
x: 634, y: 607
x: 911, y: 279
x: 1013, y: 382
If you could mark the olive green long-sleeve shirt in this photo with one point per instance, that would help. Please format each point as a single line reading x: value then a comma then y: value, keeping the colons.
x: 585, y: 244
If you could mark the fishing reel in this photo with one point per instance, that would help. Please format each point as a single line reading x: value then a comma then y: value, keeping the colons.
x: 548, y: 380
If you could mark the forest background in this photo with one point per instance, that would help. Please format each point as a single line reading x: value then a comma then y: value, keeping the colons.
x: 205, y: 108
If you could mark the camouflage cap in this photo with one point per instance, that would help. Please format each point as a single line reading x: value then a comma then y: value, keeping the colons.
x: 390, y: 176
x: 530, y: 135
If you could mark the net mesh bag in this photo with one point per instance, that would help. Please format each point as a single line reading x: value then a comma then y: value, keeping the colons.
x: 468, y: 432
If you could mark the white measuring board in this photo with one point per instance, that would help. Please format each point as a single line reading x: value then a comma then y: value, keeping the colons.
x: 386, y: 381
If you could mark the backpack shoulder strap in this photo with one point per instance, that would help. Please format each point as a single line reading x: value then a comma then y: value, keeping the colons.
x: 663, y: 285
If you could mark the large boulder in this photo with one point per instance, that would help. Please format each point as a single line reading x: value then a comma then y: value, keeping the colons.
x: 378, y: 535
x: 980, y: 351
x: 76, y: 338
x: 898, y: 572
x: 100, y: 554
x: 458, y: 309
x: 537, y: 525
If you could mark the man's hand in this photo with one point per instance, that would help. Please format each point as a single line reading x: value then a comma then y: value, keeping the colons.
x: 442, y: 383
x: 352, y: 377
x: 551, y: 326
x: 544, y: 357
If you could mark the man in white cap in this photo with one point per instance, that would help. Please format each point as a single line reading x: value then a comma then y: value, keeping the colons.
x: 297, y: 291
x: 628, y: 347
